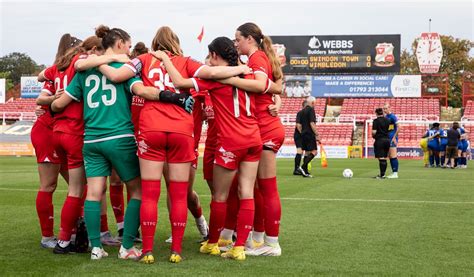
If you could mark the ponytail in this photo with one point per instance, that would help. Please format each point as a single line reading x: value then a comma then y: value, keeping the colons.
x: 267, y: 47
x: 264, y: 43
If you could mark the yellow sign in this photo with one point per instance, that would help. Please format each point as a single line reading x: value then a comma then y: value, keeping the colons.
x: 16, y: 149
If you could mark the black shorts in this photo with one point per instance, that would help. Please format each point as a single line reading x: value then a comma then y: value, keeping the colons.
x: 308, y: 142
x: 298, y: 140
x: 381, y: 147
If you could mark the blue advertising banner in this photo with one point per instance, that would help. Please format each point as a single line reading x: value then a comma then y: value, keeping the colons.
x: 366, y: 86
x: 30, y: 87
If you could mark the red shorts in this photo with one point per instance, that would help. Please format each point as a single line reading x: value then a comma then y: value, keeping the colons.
x: 273, y: 140
x: 41, y: 138
x: 232, y: 159
x: 166, y: 147
x: 69, y: 149
x: 208, y: 163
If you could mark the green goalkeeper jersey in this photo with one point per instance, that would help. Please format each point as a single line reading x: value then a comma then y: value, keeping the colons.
x: 107, y: 112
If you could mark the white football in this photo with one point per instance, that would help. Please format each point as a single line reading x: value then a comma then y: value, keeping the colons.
x: 347, y: 173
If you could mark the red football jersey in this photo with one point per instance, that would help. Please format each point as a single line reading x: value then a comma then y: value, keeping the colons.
x: 234, y: 114
x: 136, y: 109
x: 197, y: 116
x: 260, y: 64
x: 159, y: 116
x: 211, y: 139
x: 70, y: 120
x: 46, y: 118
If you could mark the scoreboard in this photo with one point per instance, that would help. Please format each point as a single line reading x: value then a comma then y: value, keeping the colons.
x: 338, y: 54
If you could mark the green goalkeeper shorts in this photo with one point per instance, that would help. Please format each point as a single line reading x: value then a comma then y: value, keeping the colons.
x: 120, y: 154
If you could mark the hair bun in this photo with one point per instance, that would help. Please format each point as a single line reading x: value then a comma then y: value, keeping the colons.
x: 140, y: 46
x: 102, y: 31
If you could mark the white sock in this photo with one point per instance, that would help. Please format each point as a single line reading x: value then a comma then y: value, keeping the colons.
x: 46, y: 239
x: 120, y: 225
x: 257, y: 236
x: 200, y: 220
x: 227, y: 234
x: 271, y: 240
x: 63, y: 243
x: 73, y: 237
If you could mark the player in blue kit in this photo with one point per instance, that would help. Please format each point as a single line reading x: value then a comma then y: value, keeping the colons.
x: 462, y: 149
x: 394, y: 129
x: 443, y: 143
x: 433, y: 136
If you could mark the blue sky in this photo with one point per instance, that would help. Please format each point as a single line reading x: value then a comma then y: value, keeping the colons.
x: 34, y: 27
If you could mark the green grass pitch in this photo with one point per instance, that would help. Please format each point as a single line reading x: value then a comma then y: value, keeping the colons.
x: 421, y: 224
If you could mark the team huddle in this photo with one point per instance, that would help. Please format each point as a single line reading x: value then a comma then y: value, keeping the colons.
x: 137, y: 118
x: 445, y: 147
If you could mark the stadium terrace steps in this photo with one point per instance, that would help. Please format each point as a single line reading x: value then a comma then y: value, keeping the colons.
x: 363, y: 108
x: 469, y: 110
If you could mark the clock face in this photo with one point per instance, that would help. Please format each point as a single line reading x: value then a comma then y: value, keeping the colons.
x: 429, y: 52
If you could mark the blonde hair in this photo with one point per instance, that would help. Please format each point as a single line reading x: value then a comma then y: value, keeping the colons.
x: 166, y: 40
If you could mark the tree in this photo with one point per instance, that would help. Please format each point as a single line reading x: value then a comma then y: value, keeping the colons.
x: 8, y: 80
x: 455, y: 62
x: 17, y: 65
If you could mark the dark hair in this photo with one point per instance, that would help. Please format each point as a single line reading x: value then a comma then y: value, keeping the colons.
x: 224, y: 47
x: 139, y: 49
x: 379, y: 111
x: 304, y: 103
x: 65, y: 43
x: 90, y: 43
x: 436, y: 125
x: 110, y: 36
x: 265, y: 44
x: 455, y: 125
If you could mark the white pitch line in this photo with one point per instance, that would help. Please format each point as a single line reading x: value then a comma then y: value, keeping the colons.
x: 317, y: 199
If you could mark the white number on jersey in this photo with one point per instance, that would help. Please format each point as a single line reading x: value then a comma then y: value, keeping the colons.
x: 105, y: 86
x: 161, y: 78
x: 236, y: 103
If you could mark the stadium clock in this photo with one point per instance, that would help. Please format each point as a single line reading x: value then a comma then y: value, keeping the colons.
x: 429, y: 52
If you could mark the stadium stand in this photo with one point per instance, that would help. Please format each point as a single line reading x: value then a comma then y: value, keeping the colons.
x: 339, y: 134
x: 409, y: 135
x: 469, y: 110
x: 291, y: 105
x: 21, y: 108
x: 404, y: 108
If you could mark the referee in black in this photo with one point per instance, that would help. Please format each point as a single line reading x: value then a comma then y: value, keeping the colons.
x: 298, y: 141
x: 309, y: 135
x: 380, y: 131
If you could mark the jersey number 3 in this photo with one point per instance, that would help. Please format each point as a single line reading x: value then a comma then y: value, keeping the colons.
x: 105, y: 86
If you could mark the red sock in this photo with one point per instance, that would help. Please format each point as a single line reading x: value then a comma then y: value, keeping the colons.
x: 178, y: 192
x: 104, y: 225
x: 258, y: 222
x: 116, y: 200
x: 69, y: 214
x: 232, y: 205
x: 272, y: 206
x: 45, y: 210
x: 216, y: 220
x: 244, y: 220
x: 149, y: 212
